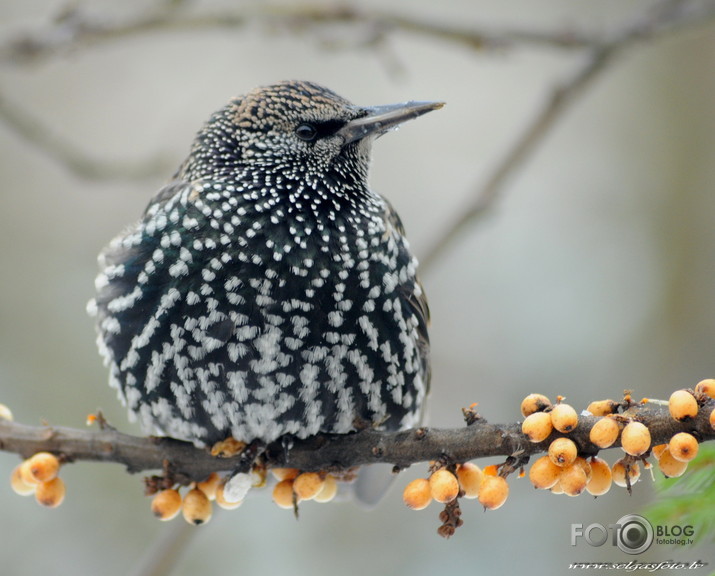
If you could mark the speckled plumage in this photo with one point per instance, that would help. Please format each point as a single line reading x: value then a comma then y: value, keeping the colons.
x: 267, y: 290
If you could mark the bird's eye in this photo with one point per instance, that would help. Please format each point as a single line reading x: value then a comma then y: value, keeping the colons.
x: 306, y: 132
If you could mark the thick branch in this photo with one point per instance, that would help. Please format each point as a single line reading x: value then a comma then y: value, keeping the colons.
x: 327, y: 452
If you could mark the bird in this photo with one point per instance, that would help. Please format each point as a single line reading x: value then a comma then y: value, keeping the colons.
x: 267, y: 291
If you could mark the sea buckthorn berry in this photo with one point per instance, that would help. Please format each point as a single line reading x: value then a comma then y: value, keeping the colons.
x: 544, y: 474
x: 537, y: 426
x: 493, y: 492
x: 563, y: 452
x: 222, y: 501
x: 657, y: 450
x: 285, y: 473
x: 683, y: 447
x: 671, y: 467
x: 534, y: 403
x: 26, y: 473
x: 283, y: 494
x: 682, y: 405
x: 706, y: 387
x: 470, y: 478
x: 564, y: 418
x: 556, y: 488
x: 328, y: 491
x: 166, y: 504
x: 444, y: 485
x: 50, y: 493
x: 585, y: 464
x: 601, y: 477
x: 619, y: 469
x: 417, y: 494
x: 18, y: 484
x: 5, y: 413
x: 573, y: 480
x: 307, y: 485
x: 210, y: 485
x: 197, y: 507
x: 604, y: 432
x: 43, y: 466
x: 635, y: 438
x: 602, y: 407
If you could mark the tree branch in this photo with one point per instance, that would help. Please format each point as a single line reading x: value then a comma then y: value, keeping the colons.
x: 479, y: 439
x: 668, y: 17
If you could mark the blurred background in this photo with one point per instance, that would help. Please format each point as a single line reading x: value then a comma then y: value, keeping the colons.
x: 592, y: 272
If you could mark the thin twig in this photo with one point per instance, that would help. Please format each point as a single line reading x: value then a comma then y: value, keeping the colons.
x: 77, y: 28
x: 670, y: 16
x: 69, y: 155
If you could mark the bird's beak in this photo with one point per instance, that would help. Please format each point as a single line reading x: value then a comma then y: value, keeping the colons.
x: 381, y: 119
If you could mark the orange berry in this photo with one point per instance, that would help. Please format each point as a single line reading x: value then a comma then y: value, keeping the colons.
x: 223, y: 502
x: 26, y: 473
x: 602, y: 407
x: 671, y: 467
x: 166, y: 504
x: 283, y: 494
x: 197, y: 507
x: 328, y: 491
x: 43, y: 466
x: 583, y: 463
x: 543, y: 473
x: 658, y: 450
x: 563, y: 452
x: 470, y: 478
x: 285, y: 473
x: 417, y: 494
x: 210, y: 485
x: 444, y: 485
x: 18, y: 484
x: 635, y: 438
x: 683, y: 447
x: 573, y: 480
x: 604, y: 432
x: 601, y: 477
x: 537, y: 426
x: 493, y: 492
x: 682, y: 405
x: 564, y: 418
x: 307, y: 485
x: 534, y: 403
x: 706, y: 387
x: 50, y: 493
x: 556, y: 488
x: 618, y: 473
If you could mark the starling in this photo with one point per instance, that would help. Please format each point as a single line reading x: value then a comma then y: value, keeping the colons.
x: 267, y: 290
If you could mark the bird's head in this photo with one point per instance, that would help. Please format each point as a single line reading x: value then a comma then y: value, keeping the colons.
x: 298, y: 130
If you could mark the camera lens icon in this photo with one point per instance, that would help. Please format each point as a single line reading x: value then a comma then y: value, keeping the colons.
x: 635, y: 534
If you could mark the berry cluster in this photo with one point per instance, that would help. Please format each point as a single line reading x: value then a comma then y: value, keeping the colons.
x: 291, y: 487
x: 38, y: 475
x: 567, y: 468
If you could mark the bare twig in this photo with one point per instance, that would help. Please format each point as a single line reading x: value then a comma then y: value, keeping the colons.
x: 77, y: 28
x: 69, y: 155
x: 326, y: 452
x: 669, y: 17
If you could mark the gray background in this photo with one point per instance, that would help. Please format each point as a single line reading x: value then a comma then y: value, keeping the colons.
x: 594, y: 272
